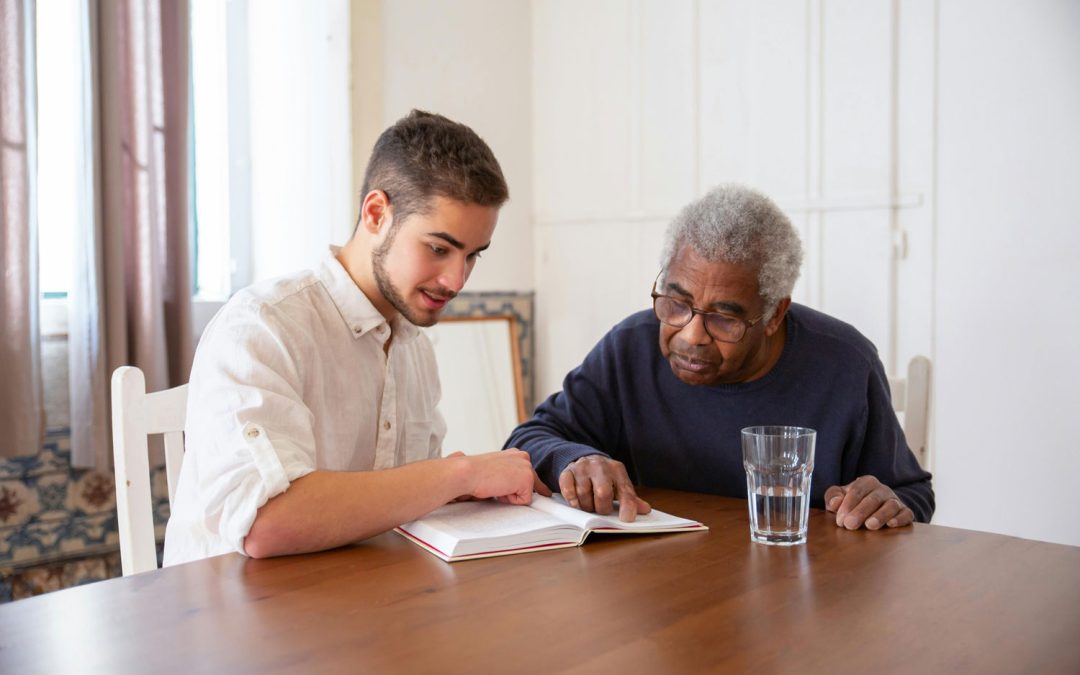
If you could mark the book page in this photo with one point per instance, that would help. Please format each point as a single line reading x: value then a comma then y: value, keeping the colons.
x: 468, y: 528
x: 487, y: 519
x: 655, y: 520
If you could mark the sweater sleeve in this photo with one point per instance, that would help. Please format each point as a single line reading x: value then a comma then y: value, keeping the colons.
x: 885, y: 452
x: 582, y: 419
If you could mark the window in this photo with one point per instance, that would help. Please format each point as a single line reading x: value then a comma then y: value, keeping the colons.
x: 272, y: 143
x: 287, y: 61
x: 59, y: 138
x: 63, y: 138
x: 221, y: 197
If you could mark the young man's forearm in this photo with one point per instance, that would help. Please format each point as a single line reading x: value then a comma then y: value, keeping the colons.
x: 326, y: 509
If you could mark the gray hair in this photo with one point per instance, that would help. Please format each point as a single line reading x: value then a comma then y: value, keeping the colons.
x: 736, y: 224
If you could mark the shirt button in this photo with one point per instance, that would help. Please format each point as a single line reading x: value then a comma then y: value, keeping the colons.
x: 386, y: 425
x: 358, y: 330
x: 381, y: 329
x: 252, y: 433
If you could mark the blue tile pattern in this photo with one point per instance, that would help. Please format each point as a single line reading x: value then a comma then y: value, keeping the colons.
x: 58, y: 524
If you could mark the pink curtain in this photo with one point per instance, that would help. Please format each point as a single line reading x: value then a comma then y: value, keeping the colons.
x: 22, y: 420
x: 131, y: 304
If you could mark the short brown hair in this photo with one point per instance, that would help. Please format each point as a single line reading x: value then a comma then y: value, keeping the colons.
x: 424, y: 155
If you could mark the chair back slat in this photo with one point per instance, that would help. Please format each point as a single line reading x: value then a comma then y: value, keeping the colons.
x: 911, y: 402
x: 174, y: 455
x: 165, y: 410
x: 135, y: 415
x: 917, y: 409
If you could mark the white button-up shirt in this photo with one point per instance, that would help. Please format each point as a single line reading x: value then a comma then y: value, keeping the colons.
x: 289, y: 377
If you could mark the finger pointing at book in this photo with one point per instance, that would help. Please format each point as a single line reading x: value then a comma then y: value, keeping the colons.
x: 595, y: 482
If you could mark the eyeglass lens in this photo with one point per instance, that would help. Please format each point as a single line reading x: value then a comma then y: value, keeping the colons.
x: 677, y: 314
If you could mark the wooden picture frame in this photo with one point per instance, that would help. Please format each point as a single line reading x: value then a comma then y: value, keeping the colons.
x: 480, y: 373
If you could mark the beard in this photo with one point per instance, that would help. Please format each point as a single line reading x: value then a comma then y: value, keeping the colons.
x: 418, y: 317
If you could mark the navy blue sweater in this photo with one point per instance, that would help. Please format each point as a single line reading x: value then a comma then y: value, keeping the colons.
x: 625, y: 402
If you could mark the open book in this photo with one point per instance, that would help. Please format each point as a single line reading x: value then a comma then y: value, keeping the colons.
x: 482, y: 529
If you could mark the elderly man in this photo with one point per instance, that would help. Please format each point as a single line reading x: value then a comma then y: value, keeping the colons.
x: 660, y: 401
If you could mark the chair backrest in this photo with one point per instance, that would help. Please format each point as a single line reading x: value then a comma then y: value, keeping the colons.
x: 136, y: 415
x: 911, y: 401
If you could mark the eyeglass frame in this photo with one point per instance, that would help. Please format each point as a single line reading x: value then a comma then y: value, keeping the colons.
x: 749, y: 323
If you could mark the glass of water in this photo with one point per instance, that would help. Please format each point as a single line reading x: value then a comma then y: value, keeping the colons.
x: 779, y: 461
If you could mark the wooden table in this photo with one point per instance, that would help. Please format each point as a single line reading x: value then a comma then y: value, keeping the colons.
x: 920, y: 599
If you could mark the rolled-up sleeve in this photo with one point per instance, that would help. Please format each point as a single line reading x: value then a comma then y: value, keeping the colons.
x: 249, y: 434
x: 236, y: 498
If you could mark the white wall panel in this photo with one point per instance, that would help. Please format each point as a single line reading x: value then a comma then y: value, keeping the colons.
x: 857, y: 96
x: 916, y: 31
x: 582, y: 107
x: 856, y: 165
x: 650, y: 238
x: 855, y: 283
x: 666, y: 66
x: 1009, y: 233
x: 588, y: 287
x: 754, y: 69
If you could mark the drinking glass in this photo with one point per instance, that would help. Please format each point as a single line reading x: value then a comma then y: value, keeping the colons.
x: 779, y: 461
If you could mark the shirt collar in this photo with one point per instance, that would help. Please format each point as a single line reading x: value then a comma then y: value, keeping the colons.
x: 355, y: 307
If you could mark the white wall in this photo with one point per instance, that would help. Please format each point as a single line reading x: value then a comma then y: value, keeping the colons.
x: 1008, y: 223
x: 301, y: 153
x: 469, y: 60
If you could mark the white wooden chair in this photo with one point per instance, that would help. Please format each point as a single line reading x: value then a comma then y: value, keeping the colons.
x: 911, y: 401
x: 135, y: 415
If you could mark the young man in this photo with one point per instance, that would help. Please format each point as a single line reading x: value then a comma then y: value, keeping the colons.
x: 311, y: 418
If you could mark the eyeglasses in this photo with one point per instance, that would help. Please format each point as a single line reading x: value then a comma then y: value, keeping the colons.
x: 677, y: 314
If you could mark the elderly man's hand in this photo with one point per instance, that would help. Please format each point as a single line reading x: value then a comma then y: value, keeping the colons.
x: 865, y: 501
x: 594, y: 482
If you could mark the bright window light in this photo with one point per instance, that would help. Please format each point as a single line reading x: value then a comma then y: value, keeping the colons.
x: 209, y: 75
x: 59, y: 141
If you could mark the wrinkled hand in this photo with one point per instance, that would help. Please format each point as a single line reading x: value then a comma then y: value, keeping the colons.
x: 594, y: 482
x: 508, y: 476
x: 865, y: 501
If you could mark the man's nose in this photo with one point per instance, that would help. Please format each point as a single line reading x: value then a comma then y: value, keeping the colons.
x: 694, y: 332
x: 454, y: 275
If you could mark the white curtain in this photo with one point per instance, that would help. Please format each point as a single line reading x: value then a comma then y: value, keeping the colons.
x: 131, y: 298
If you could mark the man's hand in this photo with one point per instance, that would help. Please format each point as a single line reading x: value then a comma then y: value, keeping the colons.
x: 592, y: 483
x: 865, y: 501
x: 507, y: 476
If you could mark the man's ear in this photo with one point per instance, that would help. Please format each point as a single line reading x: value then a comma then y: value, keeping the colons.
x: 778, y: 316
x: 375, y: 214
